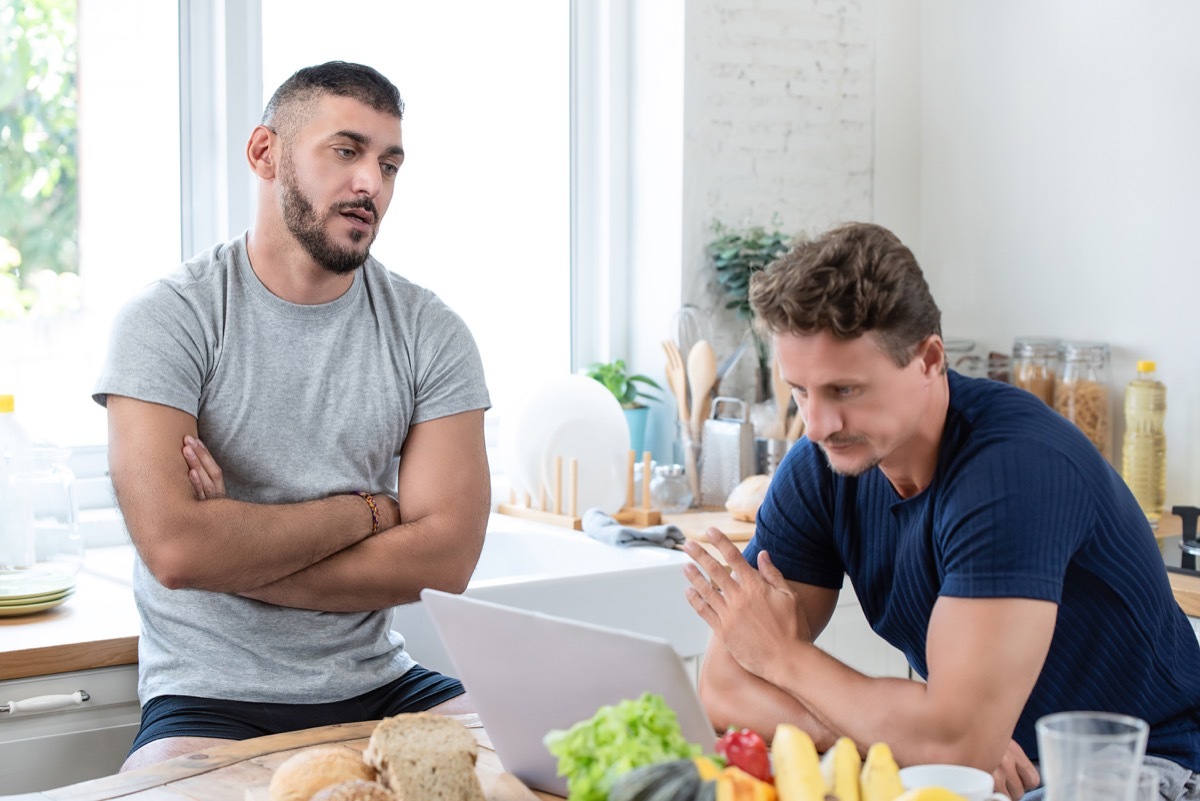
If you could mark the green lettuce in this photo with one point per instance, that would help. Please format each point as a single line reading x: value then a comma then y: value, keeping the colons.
x: 617, y: 739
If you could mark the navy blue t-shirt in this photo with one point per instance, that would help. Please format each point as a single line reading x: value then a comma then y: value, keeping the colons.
x: 1021, y: 505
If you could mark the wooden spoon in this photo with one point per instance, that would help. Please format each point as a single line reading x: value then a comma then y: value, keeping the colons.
x: 783, y: 397
x: 677, y: 378
x: 702, y: 376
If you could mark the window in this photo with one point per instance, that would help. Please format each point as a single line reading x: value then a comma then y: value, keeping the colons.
x: 107, y: 80
x: 481, y: 213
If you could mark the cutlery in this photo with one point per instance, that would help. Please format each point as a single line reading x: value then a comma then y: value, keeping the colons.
x: 677, y: 378
x: 701, y: 375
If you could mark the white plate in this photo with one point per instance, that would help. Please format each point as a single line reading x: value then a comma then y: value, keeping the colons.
x: 36, y: 599
x: 562, y: 400
x: 15, y: 585
x: 16, y: 611
x: 603, y: 453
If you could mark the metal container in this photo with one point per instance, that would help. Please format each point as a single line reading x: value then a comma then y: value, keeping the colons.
x: 727, y: 453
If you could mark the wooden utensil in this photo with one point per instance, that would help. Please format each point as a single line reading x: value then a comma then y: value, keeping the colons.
x: 783, y: 397
x: 796, y: 429
x: 701, y: 375
x: 677, y: 378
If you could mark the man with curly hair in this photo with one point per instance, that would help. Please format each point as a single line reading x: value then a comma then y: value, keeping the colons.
x: 984, y: 535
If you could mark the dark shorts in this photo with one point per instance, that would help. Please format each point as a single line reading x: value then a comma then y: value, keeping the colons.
x: 187, y: 716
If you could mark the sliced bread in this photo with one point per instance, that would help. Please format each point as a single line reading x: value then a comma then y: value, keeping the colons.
x: 425, y: 757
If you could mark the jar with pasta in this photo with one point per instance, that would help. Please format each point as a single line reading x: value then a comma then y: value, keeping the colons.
x: 1082, y: 394
x: 1034, y: 366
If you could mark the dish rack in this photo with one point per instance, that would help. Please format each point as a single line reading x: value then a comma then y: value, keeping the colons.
x: 550, y: 507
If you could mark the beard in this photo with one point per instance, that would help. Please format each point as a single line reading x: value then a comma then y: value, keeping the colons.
x: 851, y: 470
x: 302, y: 221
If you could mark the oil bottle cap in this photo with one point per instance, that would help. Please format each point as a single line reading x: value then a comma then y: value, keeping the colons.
x: 6, y: 404
x: 1146, y: 366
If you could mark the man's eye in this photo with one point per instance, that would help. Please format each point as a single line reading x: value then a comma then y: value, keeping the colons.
x: 390, y: 170
x: 345, y: 152
x: 845, y: 392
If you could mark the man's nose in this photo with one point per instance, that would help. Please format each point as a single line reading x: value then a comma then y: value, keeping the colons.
x: 821, y: 419
x: 368, y: 179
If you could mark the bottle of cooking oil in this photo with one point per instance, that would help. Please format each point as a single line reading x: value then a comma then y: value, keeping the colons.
x: 1144, y: 456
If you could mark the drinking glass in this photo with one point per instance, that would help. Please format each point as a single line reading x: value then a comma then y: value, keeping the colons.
x: 1097, y: 747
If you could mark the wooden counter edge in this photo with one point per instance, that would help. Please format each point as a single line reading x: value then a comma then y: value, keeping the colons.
x: 31, y: 662
x: 1187, y: 592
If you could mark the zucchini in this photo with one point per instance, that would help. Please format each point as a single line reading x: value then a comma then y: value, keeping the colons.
x: 662, y: 781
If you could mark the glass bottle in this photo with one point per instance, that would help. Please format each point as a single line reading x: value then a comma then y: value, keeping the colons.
x: 1035, y: 366
x: 669, y: 490
x: 16, y: 508
x: 1082, y: 392
x: 1144, y: 454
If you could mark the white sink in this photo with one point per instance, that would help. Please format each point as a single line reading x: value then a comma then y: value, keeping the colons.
x: 562, y: 572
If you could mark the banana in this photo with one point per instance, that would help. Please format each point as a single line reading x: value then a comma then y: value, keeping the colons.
x: 930, y: 794
x: 840, y: 767
x: 797, y: 767
x: 880, y: 780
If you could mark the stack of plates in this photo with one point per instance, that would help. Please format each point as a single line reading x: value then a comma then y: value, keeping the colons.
x: 22, y: 594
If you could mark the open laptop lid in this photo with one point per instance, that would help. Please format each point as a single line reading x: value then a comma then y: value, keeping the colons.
x: 528, y: 673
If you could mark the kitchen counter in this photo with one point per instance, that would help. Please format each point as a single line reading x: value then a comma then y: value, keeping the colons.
x: 98, y: 626
x: 241, y: 771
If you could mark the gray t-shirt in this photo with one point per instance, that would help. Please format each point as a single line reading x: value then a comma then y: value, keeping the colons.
x: 295, y: 403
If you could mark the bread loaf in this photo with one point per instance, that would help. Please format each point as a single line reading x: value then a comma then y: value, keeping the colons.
x: 355, y: 790
x: 301, y: 775
x: 746, y: 497
x: 425, y: 757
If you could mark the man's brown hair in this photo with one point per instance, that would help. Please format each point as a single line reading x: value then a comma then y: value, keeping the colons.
x: 853, y: 279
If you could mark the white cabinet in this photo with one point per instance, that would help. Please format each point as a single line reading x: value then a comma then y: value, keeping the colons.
x: 849, y: 638
x: 44, y: 750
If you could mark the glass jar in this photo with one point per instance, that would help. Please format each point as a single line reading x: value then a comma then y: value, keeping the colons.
x: 57, y: 542
x: 962, y: 358
x: 1082, y: 393
x: 669, y: 489
x: 1034, y: 365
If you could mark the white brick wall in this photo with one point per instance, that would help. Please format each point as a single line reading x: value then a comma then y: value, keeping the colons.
x: 778, y: 123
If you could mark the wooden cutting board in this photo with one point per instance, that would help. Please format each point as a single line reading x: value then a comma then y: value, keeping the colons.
x: 695, y: 524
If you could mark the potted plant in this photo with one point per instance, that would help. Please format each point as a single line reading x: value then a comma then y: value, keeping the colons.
x: 629, y: 390
x: 736, y: 255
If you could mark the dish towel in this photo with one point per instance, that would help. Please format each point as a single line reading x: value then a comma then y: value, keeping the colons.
x: 600, y: 525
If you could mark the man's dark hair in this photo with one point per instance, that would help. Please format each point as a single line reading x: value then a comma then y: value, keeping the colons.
x: 294, y: 98
x: 851, y: 280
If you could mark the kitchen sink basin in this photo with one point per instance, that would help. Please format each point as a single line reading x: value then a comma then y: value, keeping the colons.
x: 563, y: 572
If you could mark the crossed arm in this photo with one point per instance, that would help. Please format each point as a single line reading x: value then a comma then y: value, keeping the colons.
x: 984, y: 656
x: 317, y: 554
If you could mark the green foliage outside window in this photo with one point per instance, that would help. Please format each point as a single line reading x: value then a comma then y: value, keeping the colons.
x: 39, y: 228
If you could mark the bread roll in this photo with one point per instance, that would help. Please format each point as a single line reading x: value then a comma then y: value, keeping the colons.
x: 355, y: 790
x: 746, y: 497
x: 425, y: 757
x: 306, y: 772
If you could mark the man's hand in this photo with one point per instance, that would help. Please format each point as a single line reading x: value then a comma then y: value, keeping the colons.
x: 203, y: 470
x: 752, y: 612
x: 208, y: 482
x: 1015, y: 775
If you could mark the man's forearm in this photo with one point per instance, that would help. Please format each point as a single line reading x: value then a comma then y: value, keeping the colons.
x: 388, y: 569
x: 224, y: 545
x: 735, y: 697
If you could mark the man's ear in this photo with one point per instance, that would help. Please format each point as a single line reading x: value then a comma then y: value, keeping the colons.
x: 932, y: 353
x: 262, y: 152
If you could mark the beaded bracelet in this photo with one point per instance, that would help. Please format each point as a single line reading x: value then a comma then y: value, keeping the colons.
x: 366, y: 496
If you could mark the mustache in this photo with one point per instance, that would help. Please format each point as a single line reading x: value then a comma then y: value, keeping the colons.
x: 840, y: 441
x: 366, y: 204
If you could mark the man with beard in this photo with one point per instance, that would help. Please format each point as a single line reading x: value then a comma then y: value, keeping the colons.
x: 984, y: 535
x: 296, y: 444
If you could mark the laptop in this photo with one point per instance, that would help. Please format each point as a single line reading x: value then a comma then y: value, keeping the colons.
x: 528, y: 673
